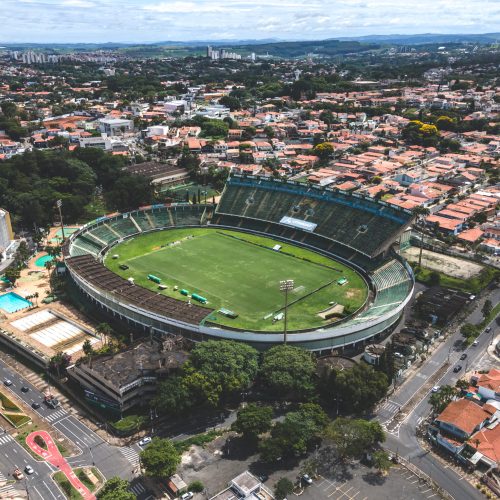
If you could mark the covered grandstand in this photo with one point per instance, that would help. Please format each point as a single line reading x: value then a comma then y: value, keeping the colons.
x: 358, y: 231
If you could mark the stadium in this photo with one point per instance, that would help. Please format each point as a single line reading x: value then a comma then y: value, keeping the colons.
x: 214, y: 272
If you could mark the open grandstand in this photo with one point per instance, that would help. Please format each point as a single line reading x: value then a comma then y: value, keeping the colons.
x: 356, y: 232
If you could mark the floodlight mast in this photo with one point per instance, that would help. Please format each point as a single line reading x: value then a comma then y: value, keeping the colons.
x: 286, y: 286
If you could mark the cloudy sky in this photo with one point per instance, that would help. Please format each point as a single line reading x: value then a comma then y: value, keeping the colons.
x: 157, y: 20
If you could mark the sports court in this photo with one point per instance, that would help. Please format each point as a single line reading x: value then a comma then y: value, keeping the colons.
x: 240, y: 272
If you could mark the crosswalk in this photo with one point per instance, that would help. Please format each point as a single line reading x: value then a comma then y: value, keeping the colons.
x: 390, y: 406
x: 137, y: 488
x: 6, y: 490
x: 56, y: 415
x: 3, y: 479
x: 130, y: 454
x: 4, y: 439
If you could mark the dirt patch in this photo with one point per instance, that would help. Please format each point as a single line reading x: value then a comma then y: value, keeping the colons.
x: 336, y: 310
x: 451, y: 266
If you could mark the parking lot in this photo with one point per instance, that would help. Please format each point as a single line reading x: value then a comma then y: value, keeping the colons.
x: 364, y: 484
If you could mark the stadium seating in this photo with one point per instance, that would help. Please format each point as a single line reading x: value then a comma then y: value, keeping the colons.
x: 363, y: 225
x: 125, y: 227
x: 142, y: 218
x: 104, y: 234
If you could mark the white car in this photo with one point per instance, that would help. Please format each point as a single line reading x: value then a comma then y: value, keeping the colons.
x: 28, y: 469
x: 307, y: 479
x: 187, y: 496
x: 475, y: 342
x: 436, y: 388
x: 145, y: 441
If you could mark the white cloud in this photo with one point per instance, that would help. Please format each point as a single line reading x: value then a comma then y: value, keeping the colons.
x: 150, y: 20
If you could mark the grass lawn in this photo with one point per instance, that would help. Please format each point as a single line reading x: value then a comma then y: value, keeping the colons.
x: 7, y: 404
x: 471, y: 285
x: 240, y: 272
x: 16, y: 419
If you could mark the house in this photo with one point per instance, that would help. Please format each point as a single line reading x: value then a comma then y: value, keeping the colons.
x: 488, y: 384
x: 115, y: 126
x: 463, y: 417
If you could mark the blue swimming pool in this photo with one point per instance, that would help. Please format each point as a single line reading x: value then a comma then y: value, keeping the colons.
x: 11, y: 302
x: 40, y: 262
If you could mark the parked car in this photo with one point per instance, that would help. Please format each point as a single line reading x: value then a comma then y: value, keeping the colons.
x: 7, y: 382
x: 488, y: 330
x: 187, y: 496
x: 475, y: 342
x: 457, y: 368
x: 306, y: 479
x: 436, y: 388
x: 463, y: 356
x: 35, y: 405
x: 144, y: 441
x: 28, y: 469
x: 25, y: 389
x: 263, y: 478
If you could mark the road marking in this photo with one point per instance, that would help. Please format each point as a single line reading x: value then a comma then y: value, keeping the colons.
x: 50, y: 491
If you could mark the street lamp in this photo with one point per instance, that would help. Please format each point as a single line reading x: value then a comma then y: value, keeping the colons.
x: 286, y: 286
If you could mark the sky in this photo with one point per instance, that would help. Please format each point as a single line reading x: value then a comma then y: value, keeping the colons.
x: 73, y: 21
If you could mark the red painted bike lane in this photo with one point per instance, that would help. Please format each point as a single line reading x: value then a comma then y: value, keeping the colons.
x: 54, y: 457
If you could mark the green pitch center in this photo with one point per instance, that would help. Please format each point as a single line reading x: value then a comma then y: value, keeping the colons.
x: 241, y: 272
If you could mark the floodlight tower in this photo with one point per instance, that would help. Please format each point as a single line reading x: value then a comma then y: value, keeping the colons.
x: 286, y: 286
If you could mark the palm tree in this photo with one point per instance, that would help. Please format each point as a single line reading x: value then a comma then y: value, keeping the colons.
x: 48, y: 265
x: 103, y: 330
x: 420, y: 212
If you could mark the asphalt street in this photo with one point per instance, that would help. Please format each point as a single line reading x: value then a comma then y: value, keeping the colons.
x: 110, y: 460
x: 409, y: 406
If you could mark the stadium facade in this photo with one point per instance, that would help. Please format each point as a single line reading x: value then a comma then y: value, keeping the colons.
x: 356, y: 230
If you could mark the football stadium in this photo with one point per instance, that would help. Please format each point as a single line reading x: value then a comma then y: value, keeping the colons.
x: 206, y: 271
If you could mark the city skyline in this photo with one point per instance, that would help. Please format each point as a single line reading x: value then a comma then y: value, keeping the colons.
x: 148, y: 21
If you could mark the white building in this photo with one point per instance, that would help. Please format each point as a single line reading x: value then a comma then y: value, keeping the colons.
x: 6, y: 234
x: 115, y: 126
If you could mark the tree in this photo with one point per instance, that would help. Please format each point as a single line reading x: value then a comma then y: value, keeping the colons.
x: 434, y: 278
x: 283, y: 488
x: 115, y: 489
x: 129, y: 191
x: 269, y: 131
x: 12, y: 274
x: 294, y: 435
x: 173, y: 396
x: 441, y: 399
x: 487, y: 308
x: 288, y: 371
x: 231, y: 102
x: 216, y: 369
x: 160, y: 458
x: 103, y: 330
x: 352, y: 437
x: 59, y: 362
x: 324, y: 150
x: 357, y: 389
x: 382, y: 461
x: 468, y: 330
x: 252, y: 421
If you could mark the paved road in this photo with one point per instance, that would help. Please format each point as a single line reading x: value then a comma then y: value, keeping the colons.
x: 412, y: 397
x: 110, y: 460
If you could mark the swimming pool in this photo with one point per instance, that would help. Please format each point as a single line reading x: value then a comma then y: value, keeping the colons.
x: 40, y: 262
x: 11, y: 302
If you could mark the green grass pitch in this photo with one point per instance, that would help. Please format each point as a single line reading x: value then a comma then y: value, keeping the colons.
x: 241, y: 272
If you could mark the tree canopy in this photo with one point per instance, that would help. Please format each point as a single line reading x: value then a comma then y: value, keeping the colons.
x: 160, y: 458
x: 352, y: 437
x: 115, y: 489
x: 288, y: 371
x: 253, y: 420
x: 218, y: 368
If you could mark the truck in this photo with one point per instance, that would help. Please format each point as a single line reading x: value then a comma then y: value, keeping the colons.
x: 51, y: 401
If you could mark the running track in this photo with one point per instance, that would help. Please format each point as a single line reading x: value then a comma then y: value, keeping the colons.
x: 54, y: 457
